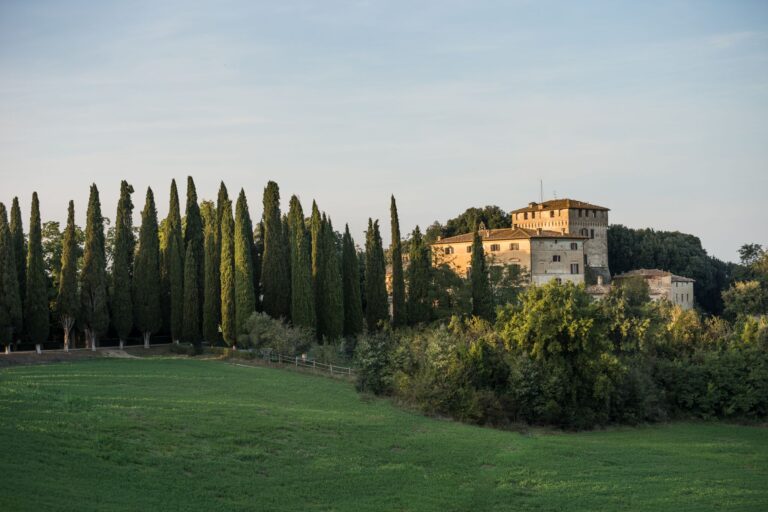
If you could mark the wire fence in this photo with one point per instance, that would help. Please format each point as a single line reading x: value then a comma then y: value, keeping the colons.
x: 304, y: 362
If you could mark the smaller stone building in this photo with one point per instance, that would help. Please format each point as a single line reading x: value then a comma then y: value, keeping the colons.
x: 544, y: 254
x: 662, y: 284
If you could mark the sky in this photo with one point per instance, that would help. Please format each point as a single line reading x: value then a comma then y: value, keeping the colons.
x: 656, y: 110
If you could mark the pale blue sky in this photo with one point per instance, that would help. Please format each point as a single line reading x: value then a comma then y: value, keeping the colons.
x: 657, y: 110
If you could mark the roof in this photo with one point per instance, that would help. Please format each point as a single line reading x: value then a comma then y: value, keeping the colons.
x: 508, y: 234
x: 654, y: 272
x: 559, y: 204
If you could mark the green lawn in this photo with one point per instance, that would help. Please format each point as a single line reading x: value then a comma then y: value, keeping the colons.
x: 175, y: 434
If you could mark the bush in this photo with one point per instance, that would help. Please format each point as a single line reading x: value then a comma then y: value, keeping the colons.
x: 373, y: 358
x: 265, y: 332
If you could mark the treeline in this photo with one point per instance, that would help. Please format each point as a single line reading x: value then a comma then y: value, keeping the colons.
x: 196, y: 277
x: 199, y: 277
x: 557, y: 357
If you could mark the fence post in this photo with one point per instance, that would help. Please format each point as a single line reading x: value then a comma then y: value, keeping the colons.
x: 297, y: 361
x: 331, y: 369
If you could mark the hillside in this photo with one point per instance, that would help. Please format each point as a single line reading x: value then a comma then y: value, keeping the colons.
x: 174, y: 434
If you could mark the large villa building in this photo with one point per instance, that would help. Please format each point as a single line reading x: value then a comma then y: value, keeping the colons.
x: 560, y: 239
x: 544, y: 254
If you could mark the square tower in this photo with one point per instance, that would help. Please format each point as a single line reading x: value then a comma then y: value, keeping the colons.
x: 574, y: 218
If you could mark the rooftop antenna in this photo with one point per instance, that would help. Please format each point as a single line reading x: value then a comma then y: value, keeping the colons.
x: 541, y: 191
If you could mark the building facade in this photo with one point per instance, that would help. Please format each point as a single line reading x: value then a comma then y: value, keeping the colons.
x: 543, y: 254
x: 662, y: 284
x: 575, y: 218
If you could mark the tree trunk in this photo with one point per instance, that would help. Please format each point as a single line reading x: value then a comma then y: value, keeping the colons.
x: 38, y: 348
x: 122, y: 344
x: 8, y: 348
x: 176, y: 342
x: 146, y: 339
x: 66, y: 323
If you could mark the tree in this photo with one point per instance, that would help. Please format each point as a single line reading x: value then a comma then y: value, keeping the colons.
x: 315, y: 228
x: 302, y: 296
x: 146, y: 279
x: 173, y: 266
x: 227, y: 274
x: 491, y: 216
x: 122, y: 264
x: 10, y: 297
x: 419, y: 280
x: 193, y: 237
x: 275, y: 278
x: 482, y: 298
x: 66, y: 301
x: 333, y: 300
x: 190, y: 331
x: 399, y: 314
x: 36, y: 312
x: 245, y: 298
x: 745, y: 298
x: 211, y: 290
x: 377, y: 306
x: 19, y: 249
x: 350, y: 275
x: 93, y: 277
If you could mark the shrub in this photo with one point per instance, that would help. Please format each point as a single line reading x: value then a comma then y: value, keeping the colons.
x: 265, y: 332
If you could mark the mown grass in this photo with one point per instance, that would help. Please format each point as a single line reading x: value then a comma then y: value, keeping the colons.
x: 171, y: 434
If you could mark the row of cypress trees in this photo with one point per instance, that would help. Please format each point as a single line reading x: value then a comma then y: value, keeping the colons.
x: 200, y: 277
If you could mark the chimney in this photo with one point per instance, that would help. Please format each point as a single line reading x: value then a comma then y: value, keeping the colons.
x: 439, y: 238
x: 599, y: 280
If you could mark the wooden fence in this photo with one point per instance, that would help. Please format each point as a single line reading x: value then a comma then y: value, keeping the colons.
x: 302, y: 362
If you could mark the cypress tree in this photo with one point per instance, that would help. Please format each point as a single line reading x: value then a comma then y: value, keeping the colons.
x: 275, y: 273
x: 66, y: 302
x: 419, y: 278
x: 227, y: 271
x: 350, y: 274
x: 36, y: 307
x: 398, y: 282
x: 10, y: 297
x: 93, y: 277
x: 211, y: 290
x: 256, y: 242
x: 333, y: 299
x: 193, y: 237
x: 482, y: 300
x: 190, y: 331
x: 315, y: 228
x: 122, y: 264
x: 173, y: 266
x: 377, y: 307
x: 302, y: 296
x: 245, y: 299
x: 146, y: 279
x: 285, y: 245
x: 19, y: 249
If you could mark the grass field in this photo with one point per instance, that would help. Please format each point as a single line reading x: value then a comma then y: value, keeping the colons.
x: 175, y: 434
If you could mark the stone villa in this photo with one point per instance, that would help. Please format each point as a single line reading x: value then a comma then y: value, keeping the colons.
x: 676, y: 289
x: 544, y: 254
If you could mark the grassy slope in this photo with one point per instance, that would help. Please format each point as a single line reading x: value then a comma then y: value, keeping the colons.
x: 196, y: 435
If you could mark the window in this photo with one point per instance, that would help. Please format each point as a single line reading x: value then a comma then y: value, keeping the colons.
x: 495, y: 247
x: 514, y: 247
x: 574, y: 246
x: 525, y: 215
x: 580, y: 212
x: 555, y: 257
x: 574, y: 268
x: 551, y: 213
x: 469, y: 248
x: 584, y: 232
x: 591, y: 233
x: 448, y: 250
x: 558, y: 280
